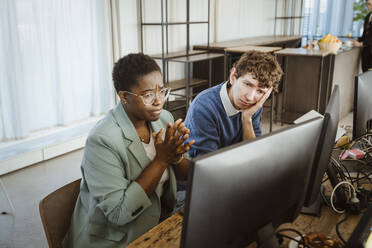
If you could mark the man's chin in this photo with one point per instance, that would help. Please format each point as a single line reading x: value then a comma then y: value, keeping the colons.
x: 245, y: 106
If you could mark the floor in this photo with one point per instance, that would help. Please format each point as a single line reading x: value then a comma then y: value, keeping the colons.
x: 28, y: 186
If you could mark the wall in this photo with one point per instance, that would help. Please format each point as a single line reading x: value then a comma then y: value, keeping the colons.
x: 234, y: 19
x: 244, y: 18
x: 228, y: 20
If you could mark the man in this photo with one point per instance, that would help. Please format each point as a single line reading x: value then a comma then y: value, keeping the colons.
x: 231, y: 111
x: 366, y: 40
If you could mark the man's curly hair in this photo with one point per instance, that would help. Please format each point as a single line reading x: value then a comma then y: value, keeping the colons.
x: 130, y: 68
x: 263, y: 66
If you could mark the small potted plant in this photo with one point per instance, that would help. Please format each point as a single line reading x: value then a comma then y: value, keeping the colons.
x: 360, y: 10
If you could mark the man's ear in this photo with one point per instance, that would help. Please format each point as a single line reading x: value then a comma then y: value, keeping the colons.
x: 232, y: 77
x: 123, y: 97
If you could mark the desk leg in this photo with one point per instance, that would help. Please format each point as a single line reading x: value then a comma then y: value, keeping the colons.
x: 285, y: 62
x: 226, y: 66
x: 187, y: 93
x: 272, y: 111
x: 319, y: 84
x: 209, y: 73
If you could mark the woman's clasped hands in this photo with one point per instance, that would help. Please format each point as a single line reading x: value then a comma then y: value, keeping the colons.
x: 171, y: 149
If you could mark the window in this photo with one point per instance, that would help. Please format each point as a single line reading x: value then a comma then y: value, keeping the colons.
x: 54, y: 64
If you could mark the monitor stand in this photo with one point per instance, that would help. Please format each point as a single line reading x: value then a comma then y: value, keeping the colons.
x: 266, y: 237
x: 315, y: 208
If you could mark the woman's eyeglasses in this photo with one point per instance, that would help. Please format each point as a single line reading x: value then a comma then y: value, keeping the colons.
x: 149, y: 98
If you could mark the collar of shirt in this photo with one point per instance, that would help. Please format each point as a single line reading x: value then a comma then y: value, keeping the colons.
x: 229, y: 108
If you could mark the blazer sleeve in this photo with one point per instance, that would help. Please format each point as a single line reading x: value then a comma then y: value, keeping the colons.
x: 121, y: 200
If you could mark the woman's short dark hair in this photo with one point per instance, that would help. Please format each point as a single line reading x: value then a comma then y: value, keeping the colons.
x: 130, y: 68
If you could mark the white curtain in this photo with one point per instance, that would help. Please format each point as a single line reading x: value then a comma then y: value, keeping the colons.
x: 54, y: 64
x: 327, y: 16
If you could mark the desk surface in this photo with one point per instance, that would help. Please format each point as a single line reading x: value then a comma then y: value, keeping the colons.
x: 303, y: 52
x: 252, y: 41
x: 168, y: 233
x: 243, y: 49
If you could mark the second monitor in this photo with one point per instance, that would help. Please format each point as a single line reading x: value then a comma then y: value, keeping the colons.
x: 241, y: 193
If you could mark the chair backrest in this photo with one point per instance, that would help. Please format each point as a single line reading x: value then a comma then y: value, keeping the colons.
x: 56, y: 210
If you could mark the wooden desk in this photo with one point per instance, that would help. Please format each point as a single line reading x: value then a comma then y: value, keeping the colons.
x: 168, y: 233
x: 233, y: 53
x: 306, y: 81
x: 243, y: 49
x: 269, y: 40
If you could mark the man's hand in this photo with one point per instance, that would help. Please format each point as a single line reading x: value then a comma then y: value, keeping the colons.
x: 249, y: 112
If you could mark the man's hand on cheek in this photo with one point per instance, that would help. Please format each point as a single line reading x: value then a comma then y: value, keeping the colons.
x: 249, y: 112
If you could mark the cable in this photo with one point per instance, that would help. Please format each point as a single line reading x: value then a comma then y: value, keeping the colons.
x: 294, y: 239
x: 337, y: 226
x: 325, y: 180
x: 343, y: 166
x: 292, y: 230
x: 333, y: 193
x: 366, y: 176
x: 324, y: 199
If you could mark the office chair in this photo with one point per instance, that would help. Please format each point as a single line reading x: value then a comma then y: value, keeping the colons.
x: 56, y: 210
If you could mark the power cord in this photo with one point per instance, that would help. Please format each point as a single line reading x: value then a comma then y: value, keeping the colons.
x: 301, y: 241
x: 354, y: 199
x: 337, y: 228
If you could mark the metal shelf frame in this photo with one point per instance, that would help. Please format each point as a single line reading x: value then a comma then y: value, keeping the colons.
x: 289, y: 17
x: 187, y: 57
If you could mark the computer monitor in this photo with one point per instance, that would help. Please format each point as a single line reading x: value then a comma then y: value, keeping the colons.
x: 323, y: 154
x: 237, y: 193
x: 362, y: 120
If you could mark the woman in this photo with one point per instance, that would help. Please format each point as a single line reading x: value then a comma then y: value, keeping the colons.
x: 131, y: 162
x: 366, y: 40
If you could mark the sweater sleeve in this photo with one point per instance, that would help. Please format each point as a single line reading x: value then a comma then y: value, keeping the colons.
x: 203, y: 129
x: 256, y: 121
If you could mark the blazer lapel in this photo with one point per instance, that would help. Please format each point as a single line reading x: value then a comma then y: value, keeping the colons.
x: 135, y: 146
x: 156, y: 126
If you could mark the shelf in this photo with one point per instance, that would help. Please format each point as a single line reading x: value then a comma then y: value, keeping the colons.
x: 177, y: 54
x: 289, y: 17
x: 198, y: 57
x: 171, y: 23
x: 181, y: 84
x: 187, y: 56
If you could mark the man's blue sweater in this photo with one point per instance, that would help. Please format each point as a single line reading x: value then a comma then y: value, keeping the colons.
x: 211, y: 127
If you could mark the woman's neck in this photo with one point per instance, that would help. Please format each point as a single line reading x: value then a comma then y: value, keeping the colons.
x: 137, y: 123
